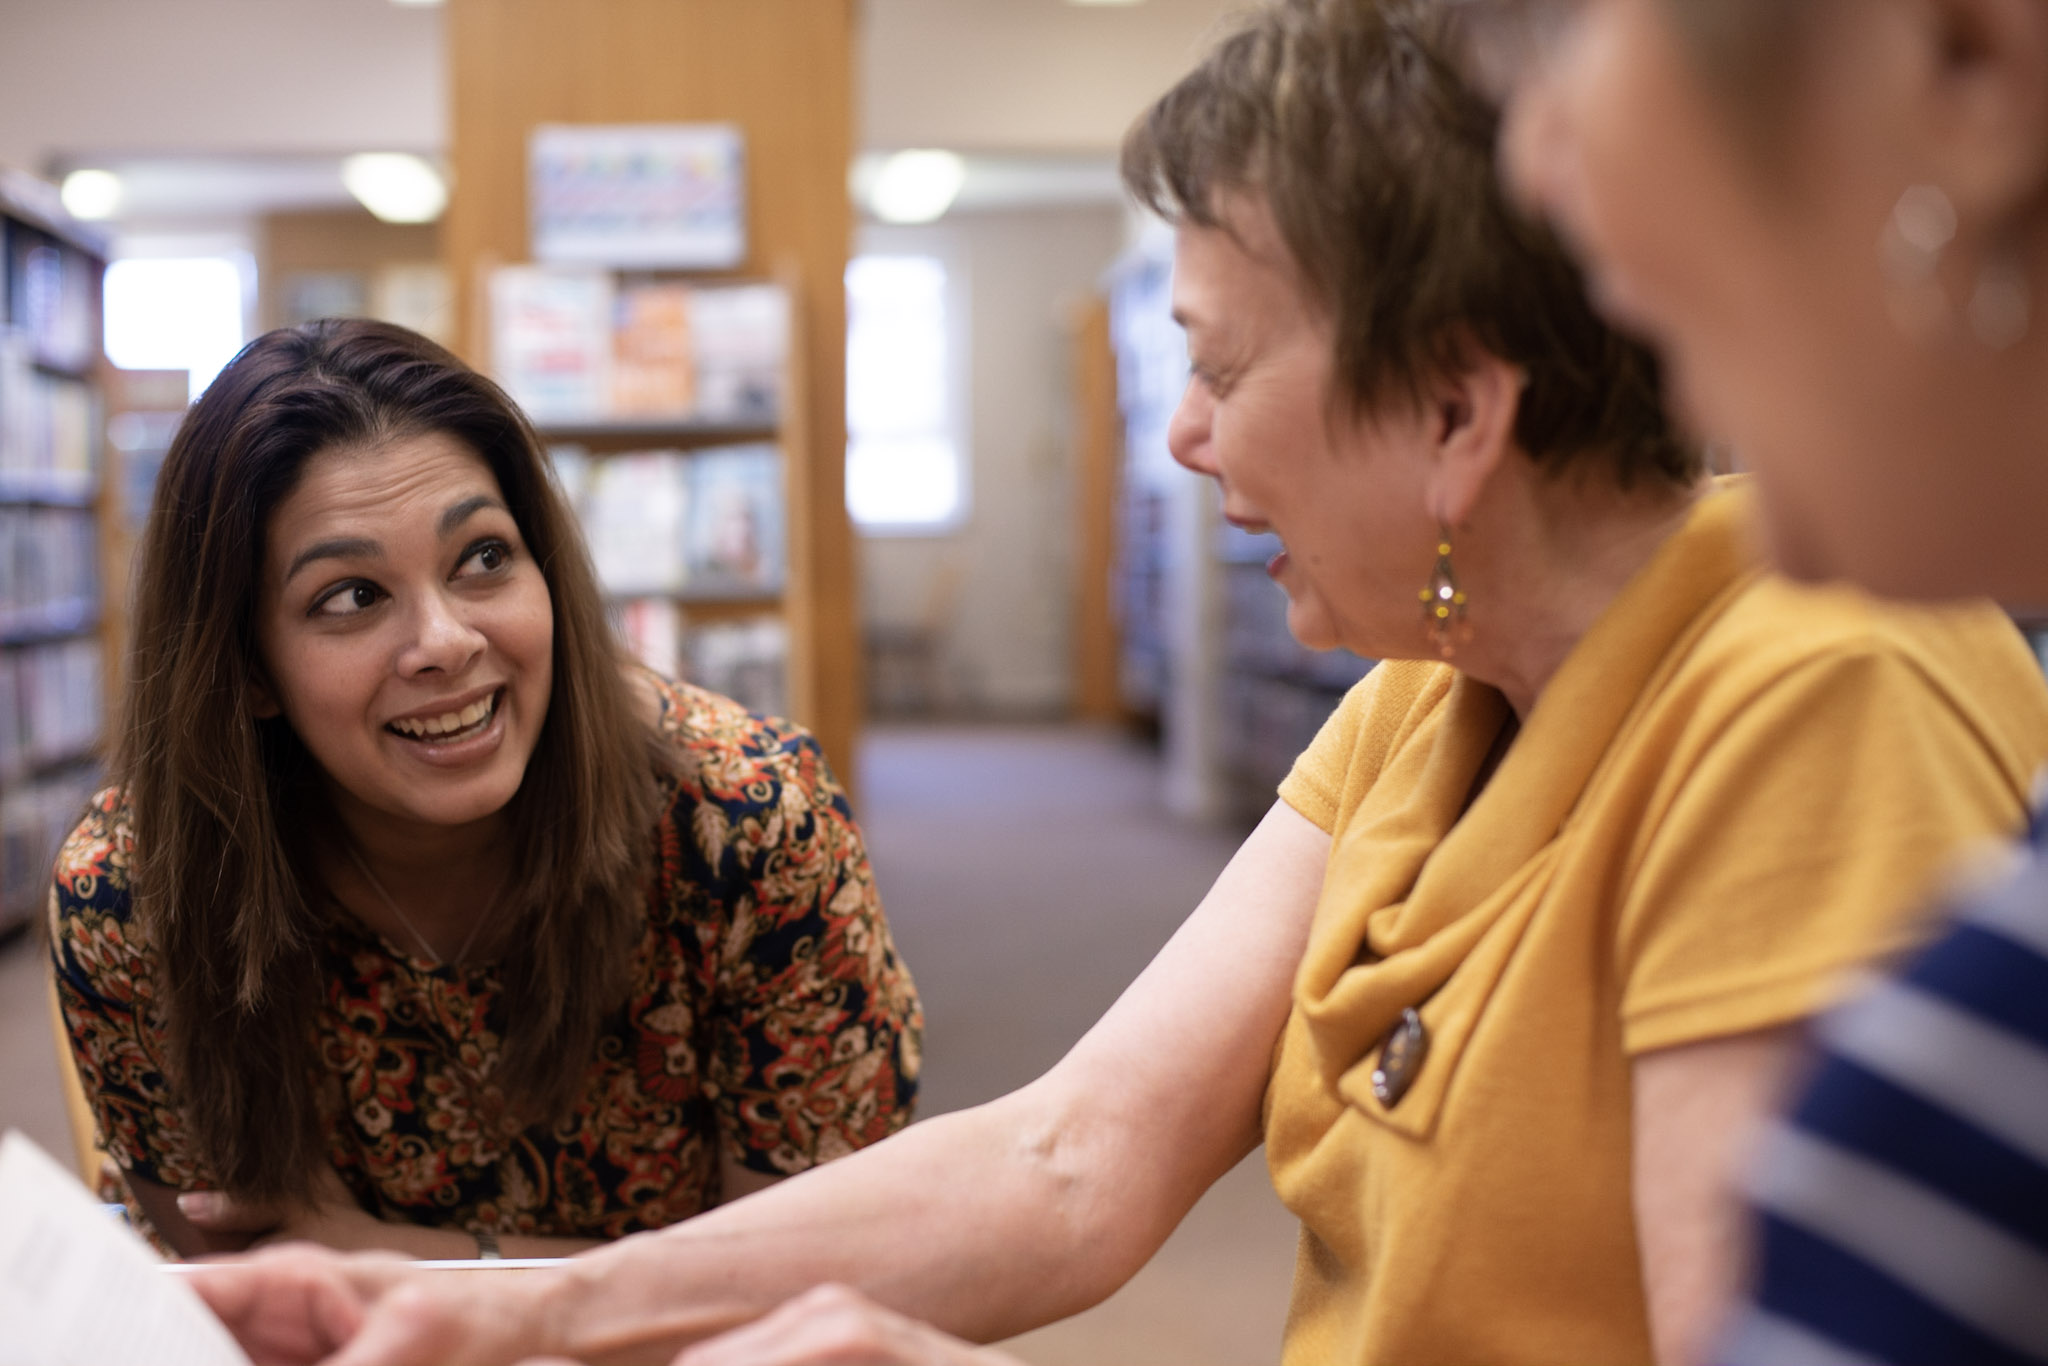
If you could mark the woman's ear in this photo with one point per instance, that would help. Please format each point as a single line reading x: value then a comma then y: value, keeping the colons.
x: 262, y: 701
x: 1472, y: 423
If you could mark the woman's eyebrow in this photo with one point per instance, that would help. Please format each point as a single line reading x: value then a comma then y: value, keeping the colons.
x: 340, y: 548
x: 461, y: 512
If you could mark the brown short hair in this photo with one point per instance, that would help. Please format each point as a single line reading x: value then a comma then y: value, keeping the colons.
x: 223, y: 800
x: 1348, y: 119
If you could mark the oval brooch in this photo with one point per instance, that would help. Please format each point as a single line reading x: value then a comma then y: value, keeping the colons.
x: 1401, y: 1055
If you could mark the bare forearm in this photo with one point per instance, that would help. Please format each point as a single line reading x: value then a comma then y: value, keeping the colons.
x: 997, y: 1219
x: 984, y: 1222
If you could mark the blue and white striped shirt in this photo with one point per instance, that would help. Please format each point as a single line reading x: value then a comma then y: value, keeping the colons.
x: 1904, y: 1202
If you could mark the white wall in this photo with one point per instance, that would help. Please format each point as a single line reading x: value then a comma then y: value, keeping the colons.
x: 217, y: 76
x: 1029, y: 75
x: 99, y: 77
x: 1006, y: 645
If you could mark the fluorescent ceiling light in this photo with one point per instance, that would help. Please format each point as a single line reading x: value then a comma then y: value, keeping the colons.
x: 92, y: 194
x: 1105, y: 2
x: 430, y: 4
x: 396, y: 186
x: 916, y: 187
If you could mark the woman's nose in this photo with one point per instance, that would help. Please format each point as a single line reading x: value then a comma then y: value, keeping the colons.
x: 1187, y: 434
x: 442, y: 641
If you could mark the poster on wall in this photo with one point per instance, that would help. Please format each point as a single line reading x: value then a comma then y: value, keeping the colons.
x: 650, y: 196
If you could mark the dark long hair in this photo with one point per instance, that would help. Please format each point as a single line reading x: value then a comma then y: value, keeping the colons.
x: 220, y: 798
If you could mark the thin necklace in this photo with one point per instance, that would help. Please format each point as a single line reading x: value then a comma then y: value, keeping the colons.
x: 406, y: 920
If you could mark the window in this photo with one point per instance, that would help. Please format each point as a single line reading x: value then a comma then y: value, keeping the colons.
x: 174, y: 313
x: 902, y: 461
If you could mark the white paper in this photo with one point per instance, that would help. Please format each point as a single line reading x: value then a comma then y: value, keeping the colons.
x: 77, y: 1288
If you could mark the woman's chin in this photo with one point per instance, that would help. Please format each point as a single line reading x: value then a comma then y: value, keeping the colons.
x: 1310, y: 626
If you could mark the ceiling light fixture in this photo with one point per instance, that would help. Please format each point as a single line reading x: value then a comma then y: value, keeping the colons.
x: 396, y: 186
x: 916, y: 186
x: 92, y: 194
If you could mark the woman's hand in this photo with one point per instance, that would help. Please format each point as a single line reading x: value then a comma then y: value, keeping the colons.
x: 836, y: 1326
x: 293, y: 1306
x: 331, y: 1218
x: 301, y: 1305
x: 334, y: 1220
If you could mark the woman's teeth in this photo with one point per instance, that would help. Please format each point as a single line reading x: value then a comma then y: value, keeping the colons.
x: 471, y: 717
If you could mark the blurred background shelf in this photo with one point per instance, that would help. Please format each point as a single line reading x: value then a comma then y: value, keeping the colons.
x: 55, y: 631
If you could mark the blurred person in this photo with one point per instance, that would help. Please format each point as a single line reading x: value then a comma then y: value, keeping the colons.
x: 416, y: 918
x: 1833, y: 217
x: 1503, y: 977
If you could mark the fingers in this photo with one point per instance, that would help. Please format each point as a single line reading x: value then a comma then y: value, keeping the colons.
x: 836, y: 1326
x: 410, y: 1328
x: 286, y: 1309
x: 450, y: 1321
x: 219, y: 1212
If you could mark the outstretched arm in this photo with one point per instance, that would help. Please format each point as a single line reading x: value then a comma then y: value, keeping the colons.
x: 984, y: 1222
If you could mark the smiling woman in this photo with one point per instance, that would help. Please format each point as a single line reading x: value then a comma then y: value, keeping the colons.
x: 418, y: 688
x: 417, y: 919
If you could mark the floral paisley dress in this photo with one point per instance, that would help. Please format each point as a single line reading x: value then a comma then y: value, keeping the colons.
x: 769, y: 1019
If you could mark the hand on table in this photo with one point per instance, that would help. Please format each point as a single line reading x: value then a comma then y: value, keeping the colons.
x: 332, y: 1218
x: 835, y: 1326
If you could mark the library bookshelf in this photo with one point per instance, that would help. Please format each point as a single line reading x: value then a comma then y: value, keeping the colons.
x: 781, y: 71
x: 55, y: 629
x: 728, y: 632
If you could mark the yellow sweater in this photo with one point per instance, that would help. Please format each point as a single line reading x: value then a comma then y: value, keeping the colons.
x: 1732, y: 791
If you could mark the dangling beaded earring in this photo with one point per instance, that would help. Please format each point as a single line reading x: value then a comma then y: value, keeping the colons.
x: 1443, y: 602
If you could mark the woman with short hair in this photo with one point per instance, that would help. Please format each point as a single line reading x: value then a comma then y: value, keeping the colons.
x: 1834, y: 218
x: 1504, y: 973
x: 416, y: 918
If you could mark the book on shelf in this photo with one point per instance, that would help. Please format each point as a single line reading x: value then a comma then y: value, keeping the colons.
x: 734, y: 545
x: 747, y: 661
x: 50, y: 708
x: 53, y: 297
x: 652, y: 629
x: 551, y: 340
x: 47, y: 426
x: 634, y: 509
x: 49, y: 569
x: 706, y: 523
x: 580, y: 346
x: 34, y: 821
x: 741, y: 335
x: 652, y: 370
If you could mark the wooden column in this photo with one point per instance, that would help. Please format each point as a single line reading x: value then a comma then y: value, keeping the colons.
x: 782, y: 70
x: 1099, y: 458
